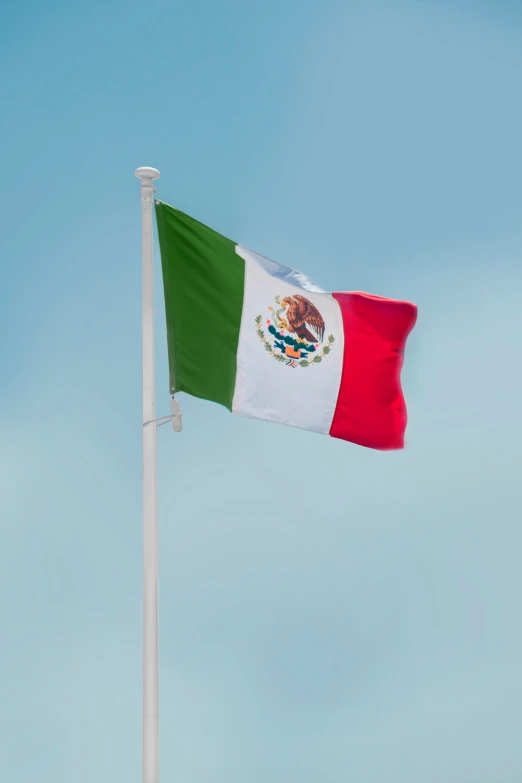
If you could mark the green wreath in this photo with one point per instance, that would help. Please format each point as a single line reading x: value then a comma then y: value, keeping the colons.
x: 293, y: 343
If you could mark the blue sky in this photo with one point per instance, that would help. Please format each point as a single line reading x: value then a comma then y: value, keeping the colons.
x: 366, y: 629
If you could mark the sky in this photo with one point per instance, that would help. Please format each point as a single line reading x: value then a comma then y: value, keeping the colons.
x: 365, y: 628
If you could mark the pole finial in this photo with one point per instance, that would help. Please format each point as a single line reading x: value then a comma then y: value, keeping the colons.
x: 147, y: 172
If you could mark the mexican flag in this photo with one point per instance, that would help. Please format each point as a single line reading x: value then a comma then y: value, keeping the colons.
x: 266, y: 342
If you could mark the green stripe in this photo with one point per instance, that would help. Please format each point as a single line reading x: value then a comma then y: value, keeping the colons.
x: 203, y: 279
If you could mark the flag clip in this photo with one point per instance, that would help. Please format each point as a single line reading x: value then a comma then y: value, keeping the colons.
x: 177, y: 421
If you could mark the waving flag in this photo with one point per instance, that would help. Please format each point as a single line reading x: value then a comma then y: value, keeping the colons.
x: 266, y: 342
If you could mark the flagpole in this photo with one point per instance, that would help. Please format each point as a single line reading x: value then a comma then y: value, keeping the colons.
x: 150, y: 494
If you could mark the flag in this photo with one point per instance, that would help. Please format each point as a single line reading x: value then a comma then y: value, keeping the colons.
x: 266, y: 342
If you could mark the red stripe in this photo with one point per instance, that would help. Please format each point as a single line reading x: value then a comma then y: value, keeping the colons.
x: 370, y: 408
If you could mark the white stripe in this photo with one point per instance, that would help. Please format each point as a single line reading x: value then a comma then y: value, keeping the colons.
x: 275, y: 390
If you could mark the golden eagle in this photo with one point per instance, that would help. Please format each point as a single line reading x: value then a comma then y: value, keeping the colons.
x: 304, y: 319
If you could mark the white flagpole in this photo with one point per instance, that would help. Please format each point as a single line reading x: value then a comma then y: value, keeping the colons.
x: 150, y: 495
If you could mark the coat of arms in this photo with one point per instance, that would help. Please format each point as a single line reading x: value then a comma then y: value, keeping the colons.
x: 295, y: 332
